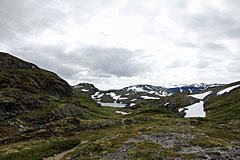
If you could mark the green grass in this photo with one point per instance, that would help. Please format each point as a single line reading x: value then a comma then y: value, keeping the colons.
x: 206, y: 143
x: 43, y: 151
x: 225, y: 107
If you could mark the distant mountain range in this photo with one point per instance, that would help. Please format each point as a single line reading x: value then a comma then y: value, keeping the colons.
x: 164, y: 91
x: 132, y: 94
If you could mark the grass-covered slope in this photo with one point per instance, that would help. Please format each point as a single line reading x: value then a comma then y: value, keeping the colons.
x: 224, y: 107
x: 24, y: 86
x: 18, y: 74
x: 31, y: 98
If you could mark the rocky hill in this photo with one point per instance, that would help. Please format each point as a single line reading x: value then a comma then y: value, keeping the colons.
x: 42, y: 117
x: 31, y: 97
x: 24, y: 76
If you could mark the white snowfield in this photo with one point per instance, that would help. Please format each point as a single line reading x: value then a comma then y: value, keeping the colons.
x: 114, y: 96
x: 136, y: 89
x: 194, y: 110
x: 120, y: 105
x: 146, y: 97
x: 97, y: 95
x: 167, y: 103
x: 132, y: 104
x: 122, y: 98
x: 226, y: 90
x: 201, y: 95
x: 123, y: 113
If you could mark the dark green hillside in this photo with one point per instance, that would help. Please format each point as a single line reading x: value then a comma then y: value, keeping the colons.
x: 18, y: 74
x: 225, y: 107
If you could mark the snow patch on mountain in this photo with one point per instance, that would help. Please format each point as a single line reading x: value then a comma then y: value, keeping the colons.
x: 167, y: 91
x: 226, y: 90
x: 201, y: 95
x: 194, y: 110
x: 147, y: 97
x: 122, y: 113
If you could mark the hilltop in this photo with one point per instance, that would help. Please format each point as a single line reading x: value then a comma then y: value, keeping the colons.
x: 42, y: 116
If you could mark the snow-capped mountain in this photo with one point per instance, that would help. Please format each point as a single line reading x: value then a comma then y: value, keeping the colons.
x: 192, y: 88
x: 164, y: 91
x: 157, y: 90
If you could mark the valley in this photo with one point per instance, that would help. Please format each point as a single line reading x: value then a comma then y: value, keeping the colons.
x: 43, y: 117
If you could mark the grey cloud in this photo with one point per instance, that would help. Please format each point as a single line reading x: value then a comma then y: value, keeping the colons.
x: 186, y: 44
x: 47, y: 59
x: 23, y: 19
x: 115, y: 61
x: 20, y: 19
x: 98, y: 62
x: 215, y: 46
x: 177, y: 64
x: 234, y: 67
x: 204, y: 63
x: 213, y: 24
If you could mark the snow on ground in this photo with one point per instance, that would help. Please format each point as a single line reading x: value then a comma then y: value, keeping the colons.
x: 227, y: 90
x: 146, y: 97
x: 121, y: 112
x: 84, y: 90
x: 166, y: 94
x: 181, y: 90
x: 78, y: 86
x: 133, y: 100
x: 132, y: 104
x: 95, y: 95
x: 194, y: 110
x: 99, y: 96
x: 201, y: 95
x: 190, y: 90
x: 122, y: 98
x: 114, y: 96
x: 180, y: 110
x: 113, y: 105
x: 167, y: 103
x: 136, y: 89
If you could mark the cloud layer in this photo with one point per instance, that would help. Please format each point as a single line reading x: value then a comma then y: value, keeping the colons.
x: 123, y: 42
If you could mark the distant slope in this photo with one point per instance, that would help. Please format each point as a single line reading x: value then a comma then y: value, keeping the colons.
x: 87, y: 88
x: 166, y: 91
x: 157, y: 90
x: 192, y: 88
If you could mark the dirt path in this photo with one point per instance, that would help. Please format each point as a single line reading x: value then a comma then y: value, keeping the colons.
x: 60, y: 155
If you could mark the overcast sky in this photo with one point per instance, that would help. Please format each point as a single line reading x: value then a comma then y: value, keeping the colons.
x: 117, y: 43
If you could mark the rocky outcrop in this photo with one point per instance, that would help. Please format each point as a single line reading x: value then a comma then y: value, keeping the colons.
x: 87, y: 88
